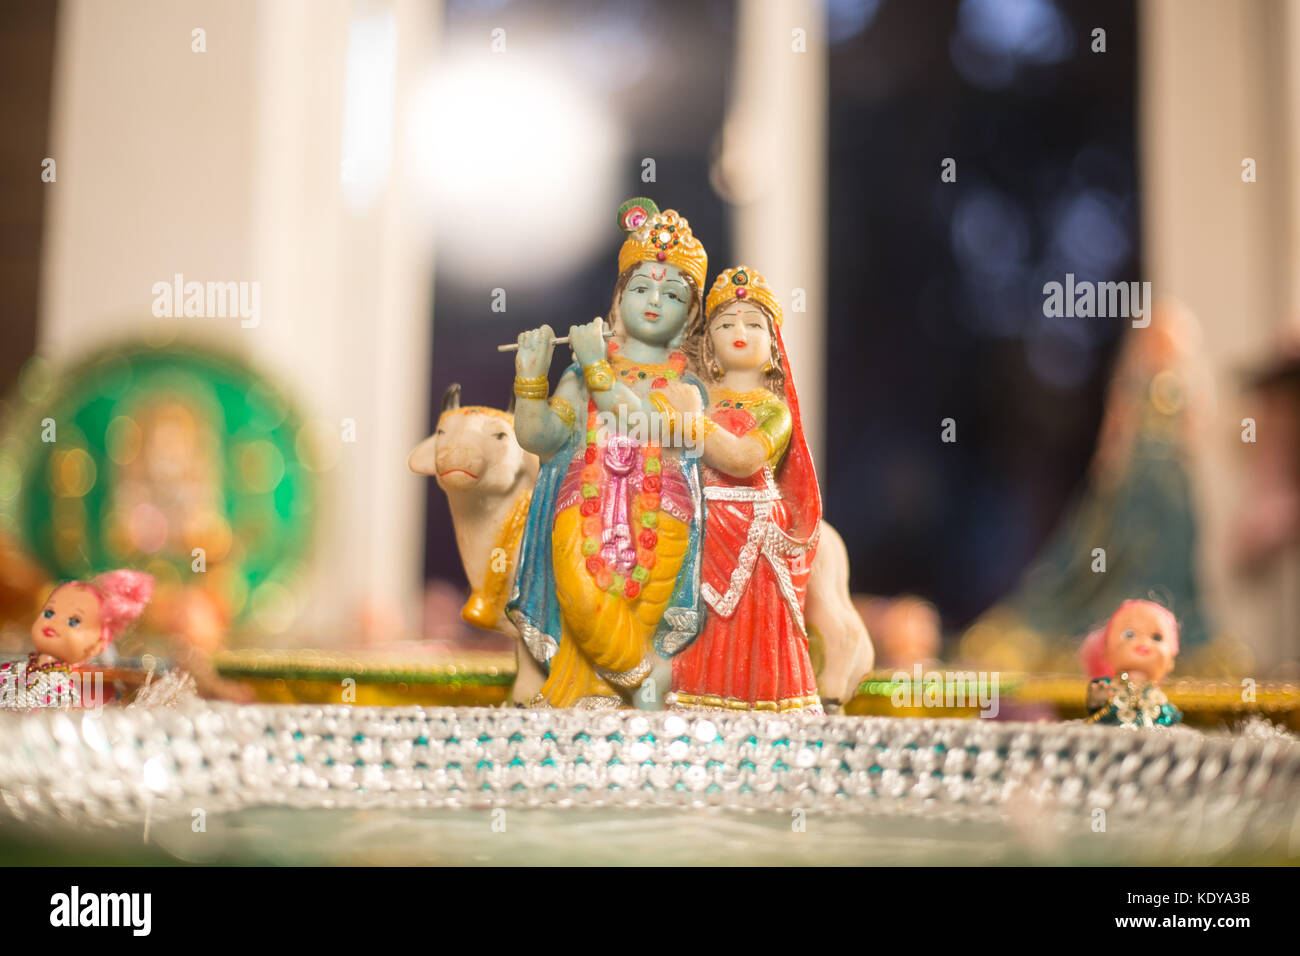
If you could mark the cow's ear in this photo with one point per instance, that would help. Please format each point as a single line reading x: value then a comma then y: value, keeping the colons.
x: 451, y: 397
x: 510, y: 409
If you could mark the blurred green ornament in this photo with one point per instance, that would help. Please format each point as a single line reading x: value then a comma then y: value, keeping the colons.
x: 175, y: 459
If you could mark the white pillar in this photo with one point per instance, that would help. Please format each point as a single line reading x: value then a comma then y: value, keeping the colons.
x: 226, y: 166
x: 1220, y: 82
x: 773, y: 169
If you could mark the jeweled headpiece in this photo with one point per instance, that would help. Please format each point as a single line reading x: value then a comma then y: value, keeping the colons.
x: 655, y: 236
x: 743, y: 284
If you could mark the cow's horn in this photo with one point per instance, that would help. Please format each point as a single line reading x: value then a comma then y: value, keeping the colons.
x: 510, y: 409
x: 451, y: 397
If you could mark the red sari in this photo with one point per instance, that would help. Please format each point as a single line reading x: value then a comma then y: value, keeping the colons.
x: 760, y: 536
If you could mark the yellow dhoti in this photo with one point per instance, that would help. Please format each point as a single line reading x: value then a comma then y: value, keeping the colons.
x: 606, y: 640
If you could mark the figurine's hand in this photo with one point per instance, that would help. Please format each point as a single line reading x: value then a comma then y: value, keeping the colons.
x: 534, y: 355
x: 683, y: 397
x: 588, y: 342
x: 1099, y: 694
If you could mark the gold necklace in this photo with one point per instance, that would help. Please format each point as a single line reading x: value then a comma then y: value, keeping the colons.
x: 657, y: 374
x: 622, y: 361
x: 724, y: 397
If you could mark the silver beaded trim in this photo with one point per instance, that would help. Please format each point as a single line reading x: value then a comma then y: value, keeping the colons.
x: 684, y: 625
x: 740, y: 493
x: 116, y: 766
x: 540, y: 644
x: 598, y: 702
x: 765, y: 539
x: 629, y: 678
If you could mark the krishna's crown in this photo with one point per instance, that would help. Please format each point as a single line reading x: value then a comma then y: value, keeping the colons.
x: 655, y: 236
x: 744, y: 284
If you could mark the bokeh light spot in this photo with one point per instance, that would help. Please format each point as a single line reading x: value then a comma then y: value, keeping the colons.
x: 147, y: 528
x: 72, y: 473
x: 261, y: 467
x: 123, y: 439
x: 318, y: 445
x: 274, y: 607
x: 11, y: 477
x: 35, y: 379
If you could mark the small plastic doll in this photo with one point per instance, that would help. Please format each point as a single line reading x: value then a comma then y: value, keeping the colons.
x: 1126, y: 660
x: 79, y: 620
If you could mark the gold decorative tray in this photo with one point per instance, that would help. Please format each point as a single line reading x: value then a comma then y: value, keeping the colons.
x: 1204, y: 703
x: 373, y: 677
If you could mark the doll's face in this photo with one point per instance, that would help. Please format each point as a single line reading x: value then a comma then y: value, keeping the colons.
x: 1139, y: 643
x: 655, y: 303
x: 741, y: 340
x: 68, y: 627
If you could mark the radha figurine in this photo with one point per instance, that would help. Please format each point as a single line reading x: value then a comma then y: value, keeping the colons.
x: 608, y: 569
x: 1126, y: 660
x: 763, y: 512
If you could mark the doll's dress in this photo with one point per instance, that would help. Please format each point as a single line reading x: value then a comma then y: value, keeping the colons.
x: 28, y: 685
x: 752, y: 654
x: 1132, y: 704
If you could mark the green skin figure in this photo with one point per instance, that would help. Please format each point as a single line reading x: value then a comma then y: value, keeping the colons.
x: 653, y: 312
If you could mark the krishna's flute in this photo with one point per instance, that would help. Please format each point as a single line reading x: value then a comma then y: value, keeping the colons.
x: 514, y: 346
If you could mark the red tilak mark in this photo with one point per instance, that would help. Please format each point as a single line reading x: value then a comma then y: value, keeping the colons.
x: 660, y: 276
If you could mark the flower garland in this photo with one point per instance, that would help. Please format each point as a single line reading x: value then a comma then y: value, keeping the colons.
x: 647, y: 501
x: 659, y: 373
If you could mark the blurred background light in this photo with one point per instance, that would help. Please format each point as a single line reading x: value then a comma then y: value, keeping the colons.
x: 990, y: 233
x: 845, y: 19
x: 1089, y: 233
x: 73, y: 473
x: 1060, y: 353
x: 369, y: 81
x: 994, y: 38
x: 501, y: 139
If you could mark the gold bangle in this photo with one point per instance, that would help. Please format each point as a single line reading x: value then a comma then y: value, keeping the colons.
x: 562, y: 408
x: 537, y: 387
x: 666, y: 409
x: 599, y: 376
x: 768, y: 444
x: 702, y: 426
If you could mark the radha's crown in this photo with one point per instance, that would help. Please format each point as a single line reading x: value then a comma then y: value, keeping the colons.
x: 655, y: 236
x: 743, y: 284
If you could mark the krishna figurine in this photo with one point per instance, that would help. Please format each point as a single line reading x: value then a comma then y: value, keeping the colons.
x: 607, y: 585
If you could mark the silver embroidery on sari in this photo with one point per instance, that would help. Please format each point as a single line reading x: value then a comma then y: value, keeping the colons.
x: 765, y: 538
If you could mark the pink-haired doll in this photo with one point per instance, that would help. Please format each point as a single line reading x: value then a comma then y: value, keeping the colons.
x: 79, y: 620
x: 1126, y: 660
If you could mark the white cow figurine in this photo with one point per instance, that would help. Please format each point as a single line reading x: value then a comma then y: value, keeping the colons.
x: 474, y: 457
x: 488, y: 478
